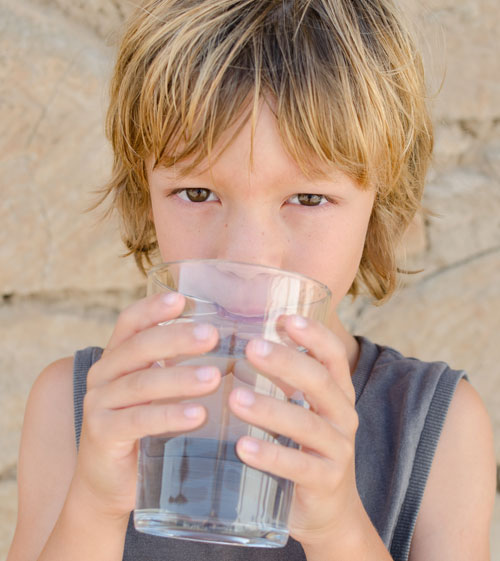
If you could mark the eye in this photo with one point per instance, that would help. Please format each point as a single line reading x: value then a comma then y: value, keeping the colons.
x: 308, y: 199
x: 195, y: 195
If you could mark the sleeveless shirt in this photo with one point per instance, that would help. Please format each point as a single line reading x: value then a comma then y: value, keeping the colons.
x: 401, y: 404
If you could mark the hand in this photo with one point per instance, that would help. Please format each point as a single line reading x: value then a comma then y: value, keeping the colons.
x: 323, y: 469
x: 124, y: 398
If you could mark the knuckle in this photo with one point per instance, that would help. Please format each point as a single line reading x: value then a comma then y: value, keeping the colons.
x: 275, y: 454
x: 312, y: 424
x: 354, y: 422
x: 90, y: 401
x: 138, y: 383
x: 303, y: 464
x: 325, y: 382
x: 93, y: 375
x: 331, y: 473
x: 336, y: 346
x: 138, y: 342
x: 93, y: 423
x: 171, y: 416
x: 175, y: 340
x: 186, y: 382
x: 139, y: 417
x: 351, y: 394
x: 346, y: 448
x: 337, y: 353
x: 320, y: 330
x: 332, y: 478
x: 320, y: 384
x: 266, y: 410
x: 155, y: 419
x: 350, y: 423
x: 126, y: 317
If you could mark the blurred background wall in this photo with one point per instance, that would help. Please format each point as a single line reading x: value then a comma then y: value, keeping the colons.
x: 63, y: 283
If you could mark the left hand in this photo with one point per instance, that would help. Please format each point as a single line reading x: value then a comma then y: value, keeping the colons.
x: 326, y: 497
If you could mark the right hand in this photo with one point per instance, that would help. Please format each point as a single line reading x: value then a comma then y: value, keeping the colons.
x: 124, y: 399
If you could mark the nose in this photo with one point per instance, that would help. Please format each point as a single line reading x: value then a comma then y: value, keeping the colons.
x: 253, y: 236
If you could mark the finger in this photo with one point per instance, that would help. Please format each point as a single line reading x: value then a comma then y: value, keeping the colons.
x: 146, y: 313
x: 307, y: 470
x: 246, y: 373
x: 132, y: 423
x: 293, y: 421
x: 302, y: 372
x: 326, y: 347
x: 161, y: 342
x: 153, y: 384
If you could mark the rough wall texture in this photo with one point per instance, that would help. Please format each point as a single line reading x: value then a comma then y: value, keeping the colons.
x: 62, y: 283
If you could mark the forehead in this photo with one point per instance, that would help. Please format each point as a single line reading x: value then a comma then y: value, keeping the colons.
x: 252, y: 148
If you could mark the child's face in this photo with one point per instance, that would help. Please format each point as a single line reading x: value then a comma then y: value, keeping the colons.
x: 260, y: 215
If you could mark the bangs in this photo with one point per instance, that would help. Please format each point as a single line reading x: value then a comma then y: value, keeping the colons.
x: 343, y: 95
x: 344, y: 79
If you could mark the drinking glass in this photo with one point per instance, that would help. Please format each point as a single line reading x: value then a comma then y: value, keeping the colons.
x: 193, y: 485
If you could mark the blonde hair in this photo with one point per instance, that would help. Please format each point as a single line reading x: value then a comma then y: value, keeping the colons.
x: 348, y: 88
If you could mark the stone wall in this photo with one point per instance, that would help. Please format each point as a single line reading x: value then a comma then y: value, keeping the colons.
x: 63, y: 284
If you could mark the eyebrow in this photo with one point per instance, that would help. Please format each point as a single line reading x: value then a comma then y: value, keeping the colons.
x: 323, y: 180
x: 294, y: 178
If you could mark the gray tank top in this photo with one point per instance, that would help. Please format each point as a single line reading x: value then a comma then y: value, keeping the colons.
x: 401, y: 403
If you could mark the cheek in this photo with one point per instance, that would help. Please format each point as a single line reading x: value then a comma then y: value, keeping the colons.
x: 172, y: 241
x: 330, y: 253
x: 178, y: 239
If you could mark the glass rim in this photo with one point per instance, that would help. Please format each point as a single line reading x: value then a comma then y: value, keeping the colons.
x: 155, y: 269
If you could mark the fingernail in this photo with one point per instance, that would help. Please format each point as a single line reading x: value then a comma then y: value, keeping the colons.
x: 172, y: 298
x: 262, y: 347
x: 193, y: 411
x: 244, y: 397
x: 203, y: 331
x: 299, y: 322
x: 206, y: 373
x: 249, y: 446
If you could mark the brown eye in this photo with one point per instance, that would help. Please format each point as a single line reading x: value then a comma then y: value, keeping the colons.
x: 196, y: 195
x: 309, y: 199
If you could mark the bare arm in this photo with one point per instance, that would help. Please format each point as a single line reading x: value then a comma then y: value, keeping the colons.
x: 454, y: 519
x: 76, y: 506
x: 455, y: 516
x: 47, y: 460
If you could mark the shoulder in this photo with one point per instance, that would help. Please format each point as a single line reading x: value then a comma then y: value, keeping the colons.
x: 48, y: 420
x: 389, y: 357
x: 389, y: 375
x: 454, y: 518
x: 51, y: 394
x: 50, y: 400
x: 47, y: 456
x: 433, y: 414
x: 54, y: 378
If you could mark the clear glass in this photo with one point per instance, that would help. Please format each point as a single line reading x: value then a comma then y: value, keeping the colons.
x: 193, y: 485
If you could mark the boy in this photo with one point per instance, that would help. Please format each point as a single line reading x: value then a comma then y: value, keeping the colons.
x: 285, y: 133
